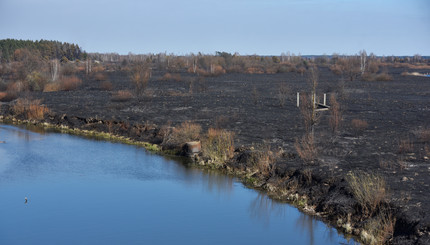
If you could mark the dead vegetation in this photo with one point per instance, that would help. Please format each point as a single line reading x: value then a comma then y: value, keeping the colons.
x: 70, y: 83
x: 379, y: 229
x: 405, y: 146
x: 335, y: 118
x: 171, y: 77
x: 218, y: 145
x: 122, y: 96
x: 282, y: 95
x: 185, y: 132
x: 140, y: 74
x: 30, y: 109
x: 369, y: 189
x: 306, y: 148
x: 66, y: 83
x: 263, y: 159
x: 358, y: 126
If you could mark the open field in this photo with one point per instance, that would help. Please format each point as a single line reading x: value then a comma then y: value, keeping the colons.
x: 383, y: 128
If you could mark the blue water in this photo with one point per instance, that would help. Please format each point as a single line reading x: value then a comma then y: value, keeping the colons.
x: 82, y: 191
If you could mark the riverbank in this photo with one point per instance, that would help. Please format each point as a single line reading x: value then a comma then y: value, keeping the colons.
x: 314, y: 193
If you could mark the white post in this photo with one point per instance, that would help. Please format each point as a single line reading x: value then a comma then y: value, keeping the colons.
x: 325, y: 99
x: 315, y: 99
x: 298, y: 99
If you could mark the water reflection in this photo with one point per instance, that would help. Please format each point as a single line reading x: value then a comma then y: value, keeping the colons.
x: 308, y: 226
x: 218, y: 183
x: 262, y: 208
x: 305, y: 224
x: 24, y: 134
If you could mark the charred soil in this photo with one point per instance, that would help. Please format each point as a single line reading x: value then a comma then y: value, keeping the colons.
x: 393, y: 138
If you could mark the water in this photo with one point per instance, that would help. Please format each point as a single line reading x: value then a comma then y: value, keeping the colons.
x: 84, y: 191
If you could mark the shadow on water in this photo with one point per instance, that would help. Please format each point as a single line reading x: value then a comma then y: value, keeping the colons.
x: 35, y: 133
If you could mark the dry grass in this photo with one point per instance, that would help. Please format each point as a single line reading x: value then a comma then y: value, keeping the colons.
x: 217, y: 70
x: 96, y: 68
x: 369, y: 189
x: 7, y: 96
x: 171, y: 77
x: 373, y: 67
x: 254, y: 70
x: 263, y: 159
x: 122, y: 96
x: 306, y: 148
x: 282, y: 94
x: 70, y: 83
x: 409, y: 66
x: 405, y: 146
x: 52, y: 87
x: 218, y: 145
x: 380, y: 229
x: 184, y: 133
x: 382, y: 77
x: 307, y: 175
x: 140, y: 75
x: 358, y: 126
x: 100, y: 76
x: 30, y: 109
x: 66, y: 83
x: 336, y: 69
x: 15, y: 87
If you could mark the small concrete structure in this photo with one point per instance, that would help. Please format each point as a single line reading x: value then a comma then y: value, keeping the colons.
x: 318, y: 106
x: 192, y: 148
x: 321, y: 107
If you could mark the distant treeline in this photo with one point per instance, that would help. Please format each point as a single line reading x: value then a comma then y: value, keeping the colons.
x: 47, y: 49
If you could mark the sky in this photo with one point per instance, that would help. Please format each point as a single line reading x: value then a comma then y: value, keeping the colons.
x: 263, y: 27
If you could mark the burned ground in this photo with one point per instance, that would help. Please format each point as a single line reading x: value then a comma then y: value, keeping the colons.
x: 261, y: 110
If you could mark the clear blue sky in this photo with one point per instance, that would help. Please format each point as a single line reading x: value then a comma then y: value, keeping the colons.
x: 265, y: 27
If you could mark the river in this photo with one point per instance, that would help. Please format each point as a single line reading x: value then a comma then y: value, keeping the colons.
x: 63, y: 189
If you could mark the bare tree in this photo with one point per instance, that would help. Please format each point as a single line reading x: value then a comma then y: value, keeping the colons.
x: 55, y: 68
x: 88, y: 66
x: 350, y: 66
x: 363, y: 59
x: 140, y: 75
x: 308, y: 108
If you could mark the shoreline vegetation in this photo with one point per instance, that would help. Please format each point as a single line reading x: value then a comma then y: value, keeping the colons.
x: 257, y: 177
x: 345, y: 138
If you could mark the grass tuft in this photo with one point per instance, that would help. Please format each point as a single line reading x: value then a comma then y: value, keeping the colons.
x: 218, y: 145
x: 369, y: 189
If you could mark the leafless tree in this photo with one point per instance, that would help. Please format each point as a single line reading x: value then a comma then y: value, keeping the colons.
x: 55, y: 69
x: 88, y: 66
x: 308, y: 108
x: 363, y: 59
x: 140, y: 75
